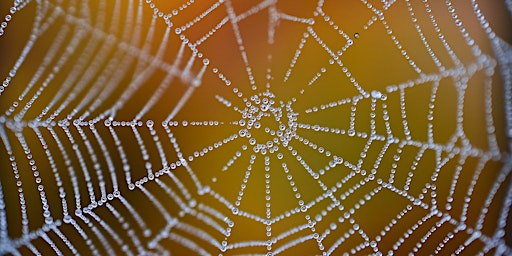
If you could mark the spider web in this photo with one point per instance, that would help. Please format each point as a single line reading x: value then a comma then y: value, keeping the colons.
x: 254, y: 127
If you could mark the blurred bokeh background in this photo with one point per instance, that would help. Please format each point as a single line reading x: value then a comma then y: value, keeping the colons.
x: 75, y: 68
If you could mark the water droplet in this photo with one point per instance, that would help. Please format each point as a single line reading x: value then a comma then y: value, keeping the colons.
x: 376, y: 94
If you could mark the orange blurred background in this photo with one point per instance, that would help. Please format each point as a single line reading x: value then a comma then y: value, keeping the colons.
x: 116, y: 52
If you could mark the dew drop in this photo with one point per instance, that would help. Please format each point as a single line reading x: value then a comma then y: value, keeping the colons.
x: 376, y: 94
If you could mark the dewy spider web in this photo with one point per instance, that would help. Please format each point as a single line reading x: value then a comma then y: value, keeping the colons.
x: 255, y: 127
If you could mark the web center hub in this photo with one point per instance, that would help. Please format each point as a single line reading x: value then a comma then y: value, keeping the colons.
x: 267, y: 124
